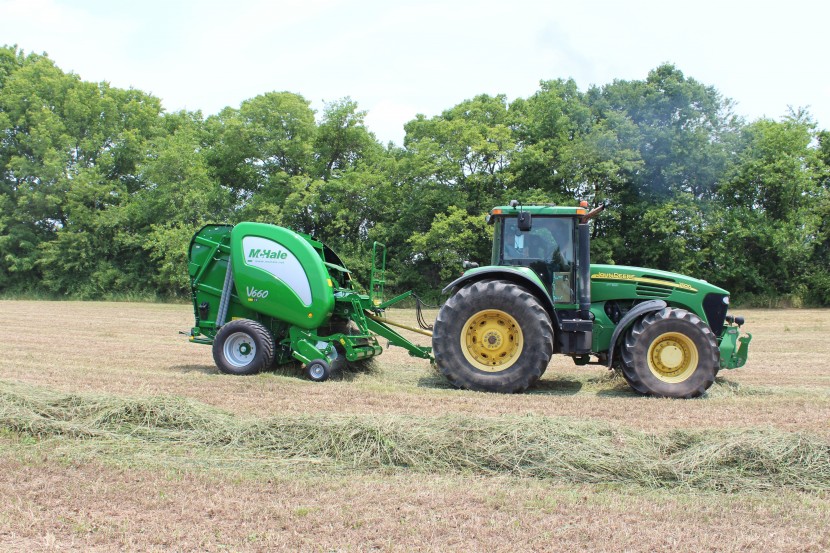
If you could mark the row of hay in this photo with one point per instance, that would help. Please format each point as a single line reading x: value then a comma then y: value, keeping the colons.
x: 531, y: 446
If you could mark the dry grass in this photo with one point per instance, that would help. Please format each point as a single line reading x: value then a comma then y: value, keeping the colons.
x: 58, y: 506
x: 560, y: 450
x: 134, y: 349
x: 77, y: 380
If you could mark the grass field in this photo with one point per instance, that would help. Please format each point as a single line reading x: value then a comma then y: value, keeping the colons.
x: 116, y: 433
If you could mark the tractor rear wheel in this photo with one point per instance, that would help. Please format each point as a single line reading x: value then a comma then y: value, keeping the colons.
x: 243, y: 347
x: 670, y: 353
x: 492, y: 336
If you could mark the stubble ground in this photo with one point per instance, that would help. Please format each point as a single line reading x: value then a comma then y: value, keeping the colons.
x: 62, y: 491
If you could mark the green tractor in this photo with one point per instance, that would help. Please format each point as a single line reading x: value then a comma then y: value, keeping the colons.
x: 667, y: 333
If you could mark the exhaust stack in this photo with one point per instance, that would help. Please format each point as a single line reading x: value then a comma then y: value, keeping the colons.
x: 584, y: 272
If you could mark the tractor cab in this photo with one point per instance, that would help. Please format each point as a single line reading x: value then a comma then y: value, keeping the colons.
x: 545, y: 243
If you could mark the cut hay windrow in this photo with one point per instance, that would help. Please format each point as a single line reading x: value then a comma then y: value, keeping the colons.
x: 558, y: 449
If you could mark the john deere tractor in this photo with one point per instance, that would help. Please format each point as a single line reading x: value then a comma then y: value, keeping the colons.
x: 668, y: 334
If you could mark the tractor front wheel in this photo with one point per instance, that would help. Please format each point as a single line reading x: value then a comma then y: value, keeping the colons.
x: 670, y: 353
x: 243, y: 347
x: 492, y: 336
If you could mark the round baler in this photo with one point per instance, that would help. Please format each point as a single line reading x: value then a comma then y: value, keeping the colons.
x: 264, y: 295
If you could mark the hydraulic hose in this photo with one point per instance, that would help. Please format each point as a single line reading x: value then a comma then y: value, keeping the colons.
x: 399, y: 325
x: 226, y: 296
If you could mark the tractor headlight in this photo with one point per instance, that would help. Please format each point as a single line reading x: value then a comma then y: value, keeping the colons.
x: 726, y: 300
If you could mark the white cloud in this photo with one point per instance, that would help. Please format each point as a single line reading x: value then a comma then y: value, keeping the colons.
x: 387, y: 117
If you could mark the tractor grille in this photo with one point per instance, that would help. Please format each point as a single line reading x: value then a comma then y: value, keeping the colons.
x: 653, y: 290
x: 715, y: 308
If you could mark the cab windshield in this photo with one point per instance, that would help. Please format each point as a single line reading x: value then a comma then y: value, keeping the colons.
x: 548, y: 249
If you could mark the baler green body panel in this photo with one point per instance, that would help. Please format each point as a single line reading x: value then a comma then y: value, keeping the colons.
x: 277, y: 271
x: 208, y: 264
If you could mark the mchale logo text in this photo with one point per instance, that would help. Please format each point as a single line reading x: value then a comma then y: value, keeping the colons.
x: 257, y: 253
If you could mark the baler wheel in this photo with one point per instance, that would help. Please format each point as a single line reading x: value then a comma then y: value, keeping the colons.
x: 493, y: 336
x: 670, y: 353
x: 318, y: 371
x: 243, y: 347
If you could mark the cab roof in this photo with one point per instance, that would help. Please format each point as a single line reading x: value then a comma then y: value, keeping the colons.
x: 549, y: 209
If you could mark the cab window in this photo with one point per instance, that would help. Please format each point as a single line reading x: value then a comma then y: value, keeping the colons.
x: 548, y: 249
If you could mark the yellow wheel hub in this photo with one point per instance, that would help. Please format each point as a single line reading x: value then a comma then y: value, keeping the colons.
x: 491, y: 340
x: 672, y: 357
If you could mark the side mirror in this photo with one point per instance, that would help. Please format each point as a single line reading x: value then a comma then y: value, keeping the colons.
x: 524, y: 221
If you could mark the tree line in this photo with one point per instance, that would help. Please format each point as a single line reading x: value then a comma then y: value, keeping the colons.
x: 101, y: 189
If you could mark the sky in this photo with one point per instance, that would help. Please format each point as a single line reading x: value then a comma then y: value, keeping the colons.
x: 400, y: 58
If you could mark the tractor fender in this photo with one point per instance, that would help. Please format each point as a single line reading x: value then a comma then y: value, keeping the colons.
x: 636, y: 312
x: 522, y: 276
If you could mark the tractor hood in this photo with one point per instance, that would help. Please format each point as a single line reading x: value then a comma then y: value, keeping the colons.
x: 618, y: 281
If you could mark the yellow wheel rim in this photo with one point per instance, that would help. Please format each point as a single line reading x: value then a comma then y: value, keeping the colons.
x: 491, y: 340
x: 672, y: 357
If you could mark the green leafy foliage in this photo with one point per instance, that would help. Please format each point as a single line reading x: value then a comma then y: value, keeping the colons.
x: 101, y: 190
x: 452, y: 238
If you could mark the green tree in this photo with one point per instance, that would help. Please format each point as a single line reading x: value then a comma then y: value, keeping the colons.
x: 281, y: 128
x: 466, y: 149
x: 69, y: 155
x: 179, y: 197
x: 684, y: 126
x: 817, y: 276
x: 452, y: 238
x: 342, y: 138
x: 100, y: 190
x: 770, y: 222
x: 270, y: 137
x: 548, y: 127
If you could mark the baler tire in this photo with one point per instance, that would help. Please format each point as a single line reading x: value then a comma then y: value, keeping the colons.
x: 318, y: 370
x: 517, y: 330
x: 243, y: 347
x: 670, y: 353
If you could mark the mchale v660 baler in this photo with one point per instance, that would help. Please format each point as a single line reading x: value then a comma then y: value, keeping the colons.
x: 263, y: 294
x: 266, y: 295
